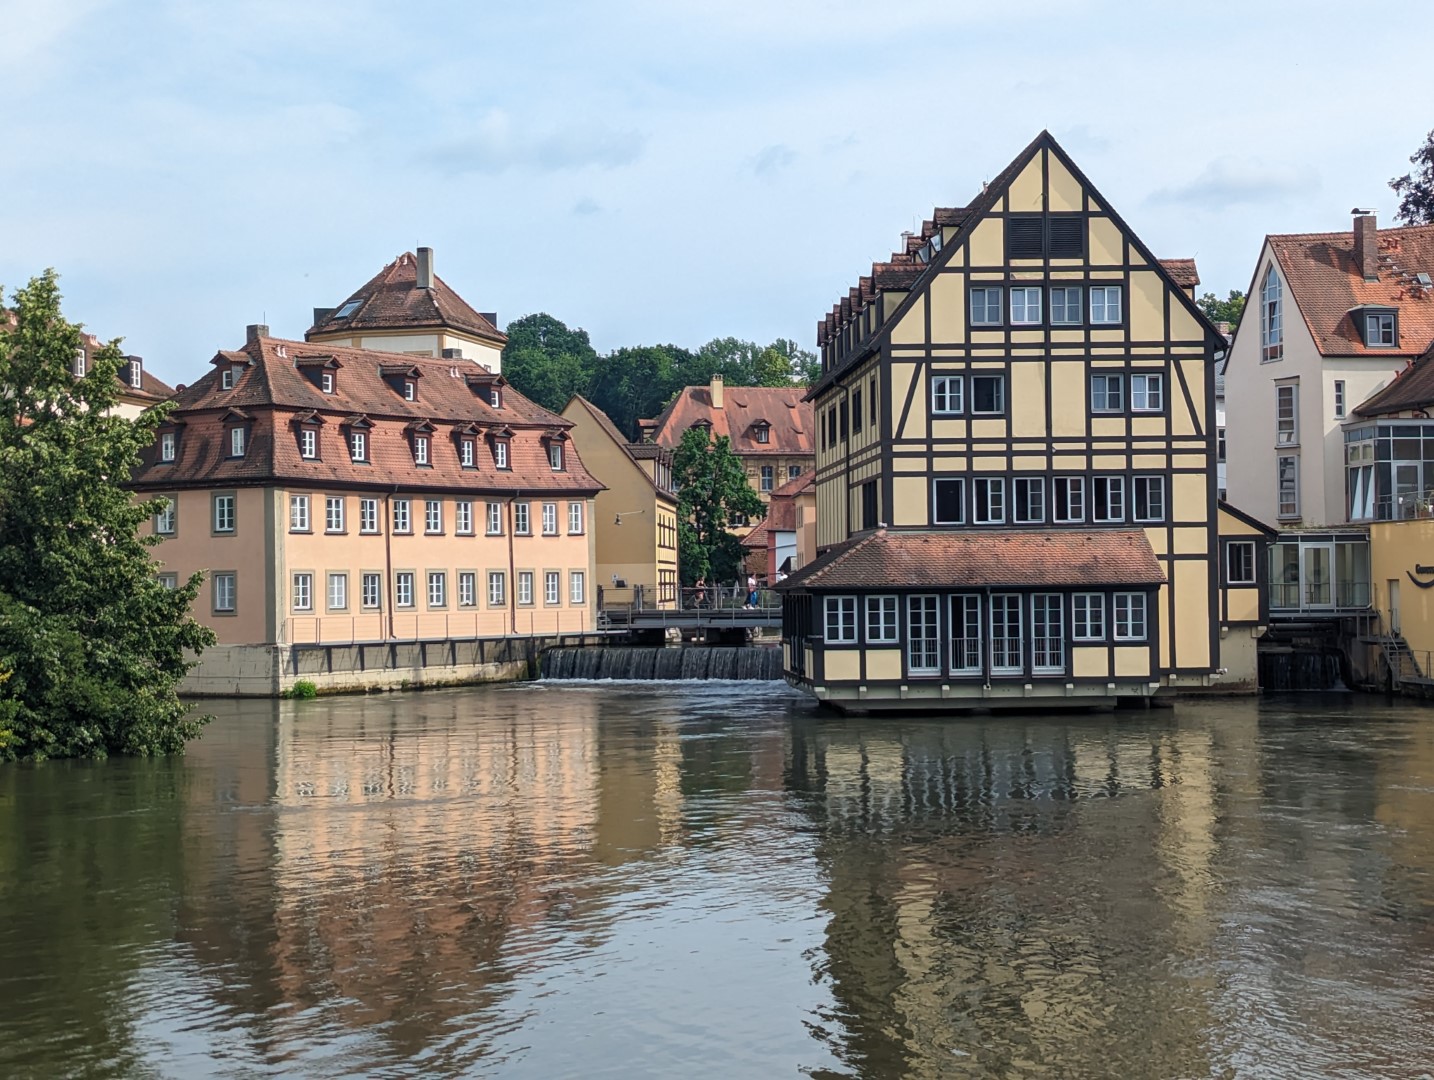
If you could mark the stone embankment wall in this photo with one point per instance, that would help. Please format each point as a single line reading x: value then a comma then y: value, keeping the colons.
x: 269, y: 670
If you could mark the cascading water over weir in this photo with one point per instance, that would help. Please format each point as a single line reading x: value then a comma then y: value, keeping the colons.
x: 662, y: 663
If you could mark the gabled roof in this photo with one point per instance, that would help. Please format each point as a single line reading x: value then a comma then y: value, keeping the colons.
x: 1320, y: 273
x: 743, y: 407
x: 799, y: 485
x: 1412, y: 388
x: 392, y: 300
x: 921, y: 559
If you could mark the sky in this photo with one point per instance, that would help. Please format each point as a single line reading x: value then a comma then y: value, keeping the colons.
x: 651, y: 170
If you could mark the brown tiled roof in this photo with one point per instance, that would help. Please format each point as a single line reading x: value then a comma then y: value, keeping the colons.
x: 1412, y: 388
x: 392, y: 300
x: 757, y: 538
x: 150, y: 388
x: 1320, y: 272
x: 1182, y: 272
x: 1055, y: 558
x: 272, y: 393
x: 796, y: 486
x: 782, y: 407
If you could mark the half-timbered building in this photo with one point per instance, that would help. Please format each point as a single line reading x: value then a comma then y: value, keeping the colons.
x: 1015, y: 468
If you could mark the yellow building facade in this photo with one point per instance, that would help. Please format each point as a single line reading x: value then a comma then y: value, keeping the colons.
x: 1015, y: 468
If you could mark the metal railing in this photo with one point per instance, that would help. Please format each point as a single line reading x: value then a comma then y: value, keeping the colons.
x: 644, y: 598
x: 1320, y: 596
x: 1406, y: 507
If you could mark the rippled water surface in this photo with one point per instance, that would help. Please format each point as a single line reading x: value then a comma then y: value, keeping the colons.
x: 715, y: 880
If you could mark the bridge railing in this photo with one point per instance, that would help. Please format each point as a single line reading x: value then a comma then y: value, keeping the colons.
x: 709, y: 603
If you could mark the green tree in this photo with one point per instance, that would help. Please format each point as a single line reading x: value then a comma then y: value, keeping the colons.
x: 92, y: 644
x: 546, y: 361
x: 1416, y: 189
x: 632, y: 383
x: 712, y: 489
x: 1227, y: 310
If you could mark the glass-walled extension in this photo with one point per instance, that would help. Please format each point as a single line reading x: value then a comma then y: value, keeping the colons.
x: 1389, y: 470
x: 1319, y: 573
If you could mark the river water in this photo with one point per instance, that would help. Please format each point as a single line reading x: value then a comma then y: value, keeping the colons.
x: 716, y: 880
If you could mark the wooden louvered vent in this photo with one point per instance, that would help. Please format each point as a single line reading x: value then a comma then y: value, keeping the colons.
x: 1067, y: 233
x: 1024, y: 237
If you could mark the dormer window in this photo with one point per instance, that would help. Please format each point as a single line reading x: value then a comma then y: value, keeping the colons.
x: 465, y: 453
x: 1381, y: 329
x: 358, y: 446
x: 555, y: 456
x: 420, y: 449
x: 308, y: 443
x: 78, y: 367
x: 500, y: 453
x: 236, y: 442
x: 326, y: 382
x: 763, y: 432
x: 166, y: 446
x: 226, y: 379
x: 136, y: 373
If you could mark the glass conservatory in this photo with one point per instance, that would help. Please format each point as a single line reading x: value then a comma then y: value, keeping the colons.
x: 1389, y: 470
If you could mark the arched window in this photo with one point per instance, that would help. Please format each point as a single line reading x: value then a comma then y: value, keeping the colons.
x: 1272, y: 338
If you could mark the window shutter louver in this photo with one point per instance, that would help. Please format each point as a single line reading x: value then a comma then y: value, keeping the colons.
x: 1024, y: 236
x: 1067, y: 237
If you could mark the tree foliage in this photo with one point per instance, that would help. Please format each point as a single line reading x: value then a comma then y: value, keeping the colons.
x: 712, y: 489
x: 1416, y: 189
x: 92, y: 646
x: 549, y: 362
x: 1227, y: 310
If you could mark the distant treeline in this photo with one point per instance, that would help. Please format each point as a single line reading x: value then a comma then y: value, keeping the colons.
x: 548, y: 362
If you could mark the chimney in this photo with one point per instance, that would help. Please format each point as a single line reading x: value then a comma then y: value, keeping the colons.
x: 254, y: 332
x: 715, y: 389
x: 453, y: 354
x: 425, y: 268
x: 1366, y: 246
x: 491, y: 316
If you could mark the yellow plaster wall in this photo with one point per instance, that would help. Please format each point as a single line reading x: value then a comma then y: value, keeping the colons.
x: 1192, y: 598
x: 1147, y: 306
x: 1395, y: 549
x: 1242, y: 605
x: 1190, y: 493
x: 843, y: 665
x: 1090, y: 662
x: 1027, y: 192
x: 911, y: 503
x: 1028, y: 400
x: 1107, y: 246
x: 987, y: 245
x: 911, y: 329
x: 1062, y: 189
x: 883, y: 665
x: 948, y: 307
x: 1132, y: 661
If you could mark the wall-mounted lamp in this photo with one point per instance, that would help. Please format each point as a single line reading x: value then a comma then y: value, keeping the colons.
x: 626, y: 513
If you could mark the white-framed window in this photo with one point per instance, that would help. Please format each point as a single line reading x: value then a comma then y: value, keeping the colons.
x: 1287, y: 414
x: 839, y: 626
x: 1006, y: 639
x: 370, y: 595
x: 1272, y: 338
x: 1048, y: 645
x: 420, y: 449
x: 358, y: 446
x: 966, y: 641
x: 236, y: 442
x: 136, y: 375
x: 495, y: 519
x: 1240, y: 562
x: 467, y: 588
x: 437, y: 589
x: 923, y: 635
x: 1149, y: 498
x: 168, y: 581
x: 165, y: 518
x: 308, y: 443
x: 1220, y: 443
x: 497, y: 588
x: 433, y: 516
x: 1287, y: 483
x: 298, y: 513
x: 226, y: 379
x: 495, y: 397
x: 1068, y: 498
x: 555, y: 456
x: 1088, y: 617
x: 1025, y: 305
x: 552, y: 587
x: 1107, y: 392
x: 525, y: 586
x: 166, y: 446
x: 334, y: 513
x: 1338, y: 400
x: 1379, y: 330
x: 793, y: 471
x: 303, y: 592
x: 577, y: 588
x: 948, y: 395
x: 1107, y: 498
x: 465, y: 453
x: 881, y: 616
x: 948, y: 500
x: 522, y: 518
x: 767, y: 475
x: 550, y: 519
x: 1105, y: 305
x: 764, y: 433
x: 990, y: 500
x: 1129, y: 621
x: 1147, y: 391
x: 500, y: 453
x: 403, y: 588
x: 463, y: 517
x: 988, y: 395
x: 410, y: 390
x: 368, y: 515
x: 338, y: 592
x: 77, y: 365
x: 986, y: 305
x: 575, y: 518
x: 402, y: 516
x: 224, y: 513
x: 224, y: 592
x: 1065, y: 305
x: 326, y: 382
x: 1028, y: 499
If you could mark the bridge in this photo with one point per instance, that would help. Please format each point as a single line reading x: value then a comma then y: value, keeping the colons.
x: 720, y: 614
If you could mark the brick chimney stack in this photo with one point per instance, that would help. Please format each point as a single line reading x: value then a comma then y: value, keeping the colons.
x: 715, y: 389
x: 1366, y: 246
x: 253, y: 332
x: 425, y: 268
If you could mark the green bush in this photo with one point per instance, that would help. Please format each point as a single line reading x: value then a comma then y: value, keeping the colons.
x: 304, y: 689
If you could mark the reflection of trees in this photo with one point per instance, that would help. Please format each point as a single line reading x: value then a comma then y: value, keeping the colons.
x: 1003, y: 895
x: 88, y: 871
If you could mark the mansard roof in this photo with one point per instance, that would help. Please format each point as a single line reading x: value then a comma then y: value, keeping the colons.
x: 743, y: 408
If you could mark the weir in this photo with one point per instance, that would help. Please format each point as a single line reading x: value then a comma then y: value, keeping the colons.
x: 662, y: 663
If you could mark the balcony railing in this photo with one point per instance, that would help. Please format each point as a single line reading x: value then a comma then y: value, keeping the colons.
x: 1300, y: 596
